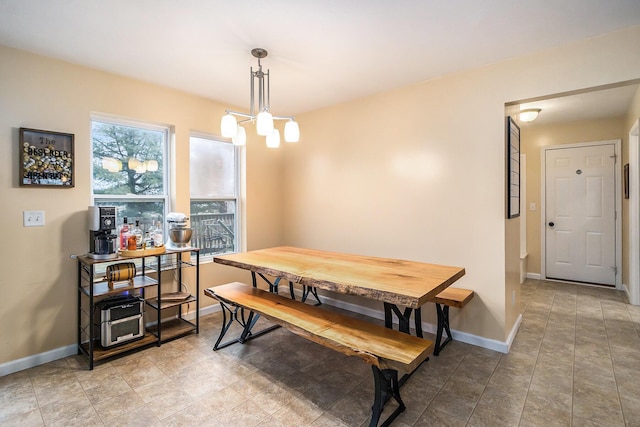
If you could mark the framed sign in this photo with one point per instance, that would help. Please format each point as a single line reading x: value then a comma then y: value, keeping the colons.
x: 46, y: 158
x: 625, y: 180
x: 513, y: 169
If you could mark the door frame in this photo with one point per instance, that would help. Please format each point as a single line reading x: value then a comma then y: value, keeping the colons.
x: 633, y: 287
x: 617, y: 143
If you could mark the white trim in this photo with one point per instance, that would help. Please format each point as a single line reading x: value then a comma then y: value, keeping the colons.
x: 618, y: 202
x: 512, y: 334
x: 534, y: 276
x: 37, y: 359
x: 210, y: 309
x: 627, y: 291
x: 633, y: 288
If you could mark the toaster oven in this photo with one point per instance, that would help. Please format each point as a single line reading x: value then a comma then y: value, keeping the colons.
x: 121, y: 319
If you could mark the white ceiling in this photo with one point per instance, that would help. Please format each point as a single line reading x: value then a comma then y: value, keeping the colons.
x: 320, y: 52
x: 597, y: 104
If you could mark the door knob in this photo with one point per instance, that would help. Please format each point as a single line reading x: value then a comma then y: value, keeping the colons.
x: 551, y: 224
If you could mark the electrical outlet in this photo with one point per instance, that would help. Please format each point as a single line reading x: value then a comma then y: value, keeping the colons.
x: 513, y: 297
x: 33, y: 218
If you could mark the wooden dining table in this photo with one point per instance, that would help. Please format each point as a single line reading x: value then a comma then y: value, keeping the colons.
x: 402, y: 286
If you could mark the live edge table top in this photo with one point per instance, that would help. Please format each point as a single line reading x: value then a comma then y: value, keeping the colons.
x: 406, y: 283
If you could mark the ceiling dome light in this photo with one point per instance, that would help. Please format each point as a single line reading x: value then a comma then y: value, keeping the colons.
x: 529, y: 114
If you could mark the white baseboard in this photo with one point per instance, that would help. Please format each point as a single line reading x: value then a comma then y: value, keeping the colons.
x: 210, y: 309
x: 69, y: 350
x: 534, y: 276
x: 512, y: 334
x: 37, y: 359
x: 502, y: 347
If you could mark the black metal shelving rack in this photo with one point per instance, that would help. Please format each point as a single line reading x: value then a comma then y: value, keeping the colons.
x: 163, y: 330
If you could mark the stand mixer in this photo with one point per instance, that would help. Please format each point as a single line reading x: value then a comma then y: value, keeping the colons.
x: 179, y: 233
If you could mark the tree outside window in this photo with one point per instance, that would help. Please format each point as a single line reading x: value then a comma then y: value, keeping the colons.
x: 130, y: 169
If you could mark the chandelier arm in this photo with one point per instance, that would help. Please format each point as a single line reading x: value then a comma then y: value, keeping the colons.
x: 253, y: 117
x: 237, y: 113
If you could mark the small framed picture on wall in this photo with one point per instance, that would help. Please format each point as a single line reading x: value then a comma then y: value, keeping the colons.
x: 46, y: 158
x: 625, y: 177
x: 513, y: 168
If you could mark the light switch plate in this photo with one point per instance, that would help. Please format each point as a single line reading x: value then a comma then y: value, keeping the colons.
x: 33, y: 218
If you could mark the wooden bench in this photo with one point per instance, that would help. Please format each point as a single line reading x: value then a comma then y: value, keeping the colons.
x: 387, y: 350
x: 450, y: 297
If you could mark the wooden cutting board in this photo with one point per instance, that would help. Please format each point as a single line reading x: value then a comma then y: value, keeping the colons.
x: 175, y: 296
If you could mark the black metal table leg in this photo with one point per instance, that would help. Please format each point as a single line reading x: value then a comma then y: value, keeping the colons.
x: 306, y: 290
x: 404, y: 318
x: 386, y: 386
x: 417, y: 316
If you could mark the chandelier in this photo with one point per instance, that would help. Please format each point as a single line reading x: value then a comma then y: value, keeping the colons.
x: 262, y: 117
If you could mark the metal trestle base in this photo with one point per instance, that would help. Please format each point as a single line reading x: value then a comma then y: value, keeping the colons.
x: 236, y: 314
x: 386, y: 387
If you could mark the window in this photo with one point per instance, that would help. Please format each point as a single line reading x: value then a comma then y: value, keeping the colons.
x: 130, y: 172
x: 214, y: 173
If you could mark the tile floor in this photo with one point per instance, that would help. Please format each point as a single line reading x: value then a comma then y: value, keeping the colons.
x: 575, y: 362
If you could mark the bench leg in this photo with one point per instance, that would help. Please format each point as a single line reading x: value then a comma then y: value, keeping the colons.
x: 443, y: 325
x: 386, y: 386
x: 233, y: 315
x: 237, y: 314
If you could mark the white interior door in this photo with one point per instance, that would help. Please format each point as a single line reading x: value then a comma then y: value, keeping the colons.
x: 581, y: 214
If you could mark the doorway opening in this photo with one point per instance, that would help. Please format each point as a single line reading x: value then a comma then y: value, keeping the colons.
x: 597, y: 113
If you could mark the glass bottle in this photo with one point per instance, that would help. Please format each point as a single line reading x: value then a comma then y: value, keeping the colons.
x: 138, y: 233
x: 158, y: 238
x: 124, y: 233
x: 148, y: 241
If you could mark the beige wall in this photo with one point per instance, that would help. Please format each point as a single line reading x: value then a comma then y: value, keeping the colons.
x: 418, y: 172
x: 38, y: 285
x: 631, y: 118
x: 533, y: 138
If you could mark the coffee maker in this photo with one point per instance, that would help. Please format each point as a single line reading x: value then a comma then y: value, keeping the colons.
x: 102, y: 239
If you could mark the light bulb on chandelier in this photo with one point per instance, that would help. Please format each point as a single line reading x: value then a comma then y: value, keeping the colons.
x: 264, y: 120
